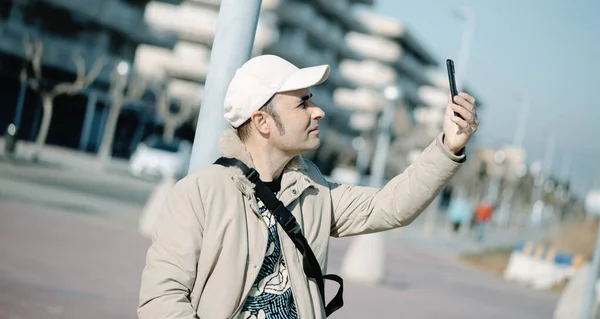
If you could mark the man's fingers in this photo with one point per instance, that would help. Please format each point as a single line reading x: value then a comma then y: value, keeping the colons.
x: 467, y: 97
x: 460, y: 122
x: 463, y: 102
x: 466, y: 114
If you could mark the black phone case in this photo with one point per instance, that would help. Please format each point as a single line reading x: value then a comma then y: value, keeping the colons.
x: 452, y: 80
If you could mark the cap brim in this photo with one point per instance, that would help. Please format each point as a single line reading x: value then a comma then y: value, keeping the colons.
x: 305, y: 78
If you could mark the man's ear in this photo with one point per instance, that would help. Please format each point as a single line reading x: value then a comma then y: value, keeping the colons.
x: 259, y: 120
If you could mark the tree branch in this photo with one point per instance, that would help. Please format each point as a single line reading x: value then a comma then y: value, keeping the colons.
x: 162, y: 97
x: 82, y: 81
x: 135, y: 89
x: 33, y: 53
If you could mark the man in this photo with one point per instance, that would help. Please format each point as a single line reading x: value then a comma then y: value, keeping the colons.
x: 218, y: 253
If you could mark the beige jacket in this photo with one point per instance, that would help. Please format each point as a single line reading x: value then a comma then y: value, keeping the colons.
x: 209, y: 241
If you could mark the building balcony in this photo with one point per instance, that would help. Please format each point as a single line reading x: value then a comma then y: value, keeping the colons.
x: 433, y: 96
x: 191, y: 22
x: 368, y: 73
x: 195, y: 23
x: 188, y: 61
x: 57, y: 51
x: 216, y: 4
x: 390, y: 52
x: 118, y: 16
x: 340, y: 10
x: 429, y: 116
x: 395, y: 30
x: 187, y: 91
x: 373, y: 47
x: 361, y: 99
x: 319, y: 30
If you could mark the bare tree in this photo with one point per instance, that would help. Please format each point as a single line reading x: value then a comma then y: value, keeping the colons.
x: 34, y: 52
x: 172, y: 119
x: 120, y: 96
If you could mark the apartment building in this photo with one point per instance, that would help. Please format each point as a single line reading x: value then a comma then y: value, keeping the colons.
x: 88, y: 30
x: 304, y: 32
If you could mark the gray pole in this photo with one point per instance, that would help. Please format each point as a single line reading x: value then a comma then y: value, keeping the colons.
x: 392, y: 94
x: 232, y: 46
x: 468, y: 15
x: 523, y: 115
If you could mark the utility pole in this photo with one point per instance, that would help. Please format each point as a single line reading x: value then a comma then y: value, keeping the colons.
x: 519, y: 137
x: 549, y: 155
x: 364, y: 261
x: 232, y: 47
x: 467, y: 14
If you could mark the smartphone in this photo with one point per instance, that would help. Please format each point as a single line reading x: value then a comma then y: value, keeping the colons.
x: 452, y: 80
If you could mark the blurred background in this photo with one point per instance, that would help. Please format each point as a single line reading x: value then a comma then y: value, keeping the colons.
x: 101, y: 98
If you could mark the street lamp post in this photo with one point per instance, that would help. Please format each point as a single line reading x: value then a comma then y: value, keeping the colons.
x: 467, y: 14
x: 364, y: 261
x: 392, y: 94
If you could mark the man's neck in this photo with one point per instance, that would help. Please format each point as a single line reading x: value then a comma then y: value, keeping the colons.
x: 268, y: 162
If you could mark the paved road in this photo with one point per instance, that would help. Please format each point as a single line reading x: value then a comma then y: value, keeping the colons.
x: 121, y: 187
x: 62, y: 265
x: 114, y: 196
x: 65, y: 265
x: 422, y: 285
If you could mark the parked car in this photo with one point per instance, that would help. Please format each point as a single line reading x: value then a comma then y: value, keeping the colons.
x: 155, y: 158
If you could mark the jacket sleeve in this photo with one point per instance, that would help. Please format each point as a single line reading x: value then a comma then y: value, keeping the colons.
x: 171, y: 260
x: 360, y: 210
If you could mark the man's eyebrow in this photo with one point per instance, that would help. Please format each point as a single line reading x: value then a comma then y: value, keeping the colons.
x: 306, y: 97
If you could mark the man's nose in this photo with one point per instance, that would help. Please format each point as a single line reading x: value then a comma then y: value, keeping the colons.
x: 318, y: 113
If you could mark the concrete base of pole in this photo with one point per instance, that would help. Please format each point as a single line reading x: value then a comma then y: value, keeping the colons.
x: 365, y: 260
x: 430, y: 215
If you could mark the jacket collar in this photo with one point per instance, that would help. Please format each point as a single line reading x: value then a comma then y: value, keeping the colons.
x: 231, y: 146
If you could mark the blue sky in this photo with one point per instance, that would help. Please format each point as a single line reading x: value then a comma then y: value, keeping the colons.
x: 548, y: 50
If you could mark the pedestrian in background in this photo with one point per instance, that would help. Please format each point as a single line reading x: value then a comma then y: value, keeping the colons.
x: 460, y: 211
x: 483, y: 215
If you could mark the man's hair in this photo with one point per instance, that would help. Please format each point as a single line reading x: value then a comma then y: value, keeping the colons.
x: 245, y: 129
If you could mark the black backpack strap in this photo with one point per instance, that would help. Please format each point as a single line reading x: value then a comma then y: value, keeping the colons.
x: 288, y: 222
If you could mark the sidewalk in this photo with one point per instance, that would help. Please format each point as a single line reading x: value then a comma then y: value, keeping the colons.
x: 79, y: 188
x: 66, y: 158
x: 77, y: 266
x: 442, y: 241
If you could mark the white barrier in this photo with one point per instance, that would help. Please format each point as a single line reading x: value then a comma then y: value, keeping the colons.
x: 540, y: 266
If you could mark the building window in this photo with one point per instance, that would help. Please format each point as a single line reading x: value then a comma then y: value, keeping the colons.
x: 292, y: 34
x: 5, y: 9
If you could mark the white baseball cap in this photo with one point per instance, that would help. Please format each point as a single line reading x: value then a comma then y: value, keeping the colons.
x: 261, y: 77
